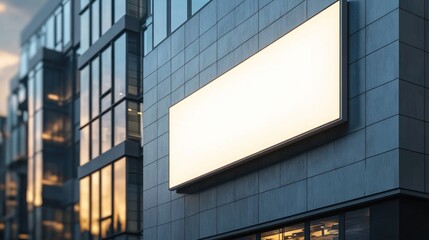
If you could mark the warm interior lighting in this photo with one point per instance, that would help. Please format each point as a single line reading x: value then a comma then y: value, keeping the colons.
x: 53, y: 97
x: 23, y: 236
x: 285, y: 91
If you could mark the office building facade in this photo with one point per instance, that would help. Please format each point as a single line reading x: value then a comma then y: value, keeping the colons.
x: 91, y: 140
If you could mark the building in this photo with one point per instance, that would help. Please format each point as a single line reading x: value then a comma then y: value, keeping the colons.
x: 155, y: 119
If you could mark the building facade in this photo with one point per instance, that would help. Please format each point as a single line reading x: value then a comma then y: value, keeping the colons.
x: 88, y: 136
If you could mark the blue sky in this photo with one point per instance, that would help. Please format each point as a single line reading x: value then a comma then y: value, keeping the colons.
x: 14, y: 15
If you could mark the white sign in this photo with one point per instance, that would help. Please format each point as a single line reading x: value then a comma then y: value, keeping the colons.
x: 288, y: 90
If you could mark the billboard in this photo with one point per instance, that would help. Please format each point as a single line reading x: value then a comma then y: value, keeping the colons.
x: 292, y: 88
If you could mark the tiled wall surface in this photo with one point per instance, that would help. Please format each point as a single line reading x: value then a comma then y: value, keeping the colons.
x: 382, y: 147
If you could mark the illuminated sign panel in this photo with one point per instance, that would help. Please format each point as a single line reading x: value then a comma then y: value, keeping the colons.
x: 290, y: 89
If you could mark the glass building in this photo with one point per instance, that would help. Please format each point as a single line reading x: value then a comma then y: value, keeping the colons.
x: 89, y: 147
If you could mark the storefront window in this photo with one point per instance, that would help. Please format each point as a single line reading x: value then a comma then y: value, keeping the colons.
x: 324, y: 229
x: 295, y: 232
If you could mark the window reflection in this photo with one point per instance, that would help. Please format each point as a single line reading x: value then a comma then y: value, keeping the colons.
x: 38, y: 175
x: 160, y: 21
x: 106, y: 191
x: 119, y: 65
x: 106, y: 102
x: 30, y: 181
x: 324, y: 229
x: 179, y: 13
x: 120, y: 8
x: 95, y: 205
x: 120, y: 123
x: 106, y: 69
x: 84, y: 95
x: 67, y: 22
x: 95, y: 21
x: 95, y: 87
x: 120, y: 195
x: 95, y: 139
x: 84, y: 31
x: 84, y: 145
x: 84, y: 208
x: 198, y: 4
x: 106, y: 132
x: 106, y: 227
x: 106, y: 15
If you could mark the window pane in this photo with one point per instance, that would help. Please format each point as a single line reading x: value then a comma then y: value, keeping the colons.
x: 83, y: 3
x: 59, y: 27
x: 95, y: 21
x: 106, y: 70
x: 95, y: 139
x: 50, y: 33
x: 106, y: 102
x: 95, y: 87
x: 179, y: 13
x: 120, y: 8
x: 271, y: 235
x: 120, y: 186
x: 147, y: 36
x: 30, y: 181
x: 67, y: 22
x: 134, y: 116
x: 119, y: 65
x: 326, y: 229
x: 197, y: 4
x: 30, y: 84
x: 30, y: 136
x: 84, y: 31
x: 106, y: 132
x: 295, y: 232
x: 120, y: 123
x: 357, y: 224
x: 95, y: 204
x: 106, y: 191
x: 160, y: 21
x: 106, y: 15
x: 84, y: 96
x: 84, y: 145
x: 84, y: 208
x: 106, y: 227
x: 38, y: 128
x: 38, y: 175
x: 38, y: 93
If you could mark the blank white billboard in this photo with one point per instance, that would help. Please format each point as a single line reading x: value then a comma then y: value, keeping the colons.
x: 288, y: 90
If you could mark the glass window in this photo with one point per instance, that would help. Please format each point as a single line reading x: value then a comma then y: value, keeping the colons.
x: 84, y: 95
x: 120, y: 56
x: 95, y: 87
x: 147, y: 36
x: 84, y: 145
x: 67, y: 22
x: 30, y: 86
x: 38, y: 128
x: 326, y: 229
x: 160, y: 21
x: 106, y: 191
x: 33, y: 46
x: 357, y: 224
x: 83, y: 3
x: 197, y: 5
x: 59, y: 28
x: 95, y: 139
x: 95, y: 204
x: 106, y: 15
x: 134, y: 116
x: 120, y: 186
x: 179, y: 13
x: 84, y: 31
x: 141, y: 124
x: 120, y: 8
x: 106, y: 227
x: 38, y: 175
x: 38, y: 85
x: 50, y: 33
x: 95, y: 21
x: 30, y: 181
x: 30, y: 136
x: 120, y: 123
x: 295, y: 232
x: 106, y: 70
x: 272, y: 235
x: 106, y: 132
x: 84, y: 208
x: 106, y: 102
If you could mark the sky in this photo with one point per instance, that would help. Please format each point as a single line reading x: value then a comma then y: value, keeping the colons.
x: 14, y: 15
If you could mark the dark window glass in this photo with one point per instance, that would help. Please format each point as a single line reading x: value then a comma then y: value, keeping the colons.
x: 106, y: 70
x: 120, y: 8
x: 106, y: 132
x: 357, y: 224
x: 160, y: 21
x: 95, y: 139
x: 198, y: 4
x: 120, y: 64
x: 67, y: 22
x: 120, y: 123
x: 95, y: 21
x: 324, y: 229
x: 106, y: 15
x: 84, y: 96
x: 134, y: 116
x: 84, y: 31
x: 179, y: 13
x: 84, y: 208
x: 120, y: 186
x: 95, y: 87
x: 84, y: 145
